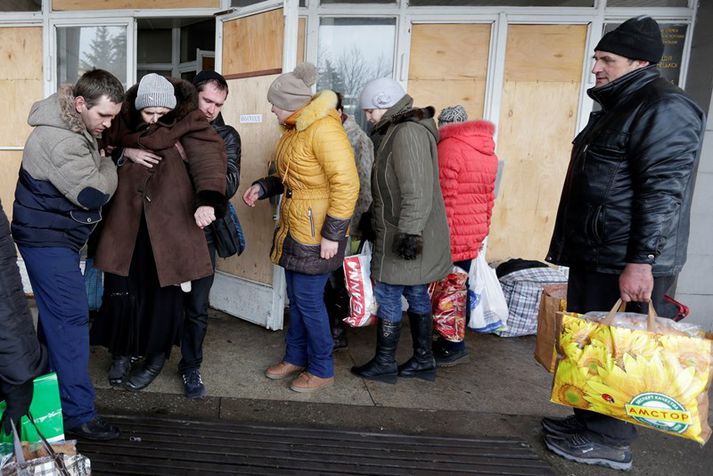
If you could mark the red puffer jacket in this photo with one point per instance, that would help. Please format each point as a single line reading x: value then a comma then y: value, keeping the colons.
x: 467, y: 167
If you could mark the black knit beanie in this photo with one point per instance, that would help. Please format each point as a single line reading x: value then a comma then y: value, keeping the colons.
x: 637, y: 38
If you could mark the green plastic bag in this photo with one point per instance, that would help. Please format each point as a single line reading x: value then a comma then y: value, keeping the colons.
x: 45, y: 408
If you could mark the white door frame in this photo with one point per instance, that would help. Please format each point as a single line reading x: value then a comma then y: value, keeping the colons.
x: 256, y: 302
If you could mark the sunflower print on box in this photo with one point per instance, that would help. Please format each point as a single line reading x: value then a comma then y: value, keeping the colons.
x: 654, y: 380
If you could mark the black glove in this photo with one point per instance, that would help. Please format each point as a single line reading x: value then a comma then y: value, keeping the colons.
x: 18, y: 398
x: 408, y: 246
x: 366, y: 229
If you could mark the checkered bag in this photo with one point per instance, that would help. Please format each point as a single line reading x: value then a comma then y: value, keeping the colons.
x: 523, y: 290
x: 53, y: 464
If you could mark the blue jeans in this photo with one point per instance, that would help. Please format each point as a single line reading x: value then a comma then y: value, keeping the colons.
x: 309, y: 339
x: 63, y: 326
x: 388, y: 298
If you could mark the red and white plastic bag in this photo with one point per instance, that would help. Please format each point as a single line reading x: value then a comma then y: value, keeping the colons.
x: 448, y: 297
x: 357, y: 277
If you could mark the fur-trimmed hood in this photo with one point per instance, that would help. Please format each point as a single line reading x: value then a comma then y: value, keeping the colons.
x: 403, y: 111
x: 186, y: 102
x: 57, y: 111
x: 476, y: 134
x: 323, y: 104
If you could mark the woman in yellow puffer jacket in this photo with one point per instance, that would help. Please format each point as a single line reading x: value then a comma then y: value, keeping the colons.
x: 317, y: 176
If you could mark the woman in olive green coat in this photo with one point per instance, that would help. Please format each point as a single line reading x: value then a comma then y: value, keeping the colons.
x: 410, y: 230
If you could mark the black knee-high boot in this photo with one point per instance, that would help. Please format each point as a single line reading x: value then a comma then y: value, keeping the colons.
x: 383, y: 366
x: 142, y: 376
x: 422, y: 364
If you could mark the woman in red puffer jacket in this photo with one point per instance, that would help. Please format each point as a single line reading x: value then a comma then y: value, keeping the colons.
x: 467, y: 168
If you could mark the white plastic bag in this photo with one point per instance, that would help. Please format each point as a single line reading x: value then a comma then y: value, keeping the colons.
x: 488, y: 308
x: 357, y: 278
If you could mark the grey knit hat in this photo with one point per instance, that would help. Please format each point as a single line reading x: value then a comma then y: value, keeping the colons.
x: 155, y: 91
x: 452, y: 114
x: 292, y: 91
x: 381, y: 93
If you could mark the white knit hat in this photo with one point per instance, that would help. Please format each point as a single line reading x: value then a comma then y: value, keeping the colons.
x: 381, y: 93
x: 155, y: 91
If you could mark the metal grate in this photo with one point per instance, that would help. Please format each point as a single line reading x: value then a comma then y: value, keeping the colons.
x: 158, y: 446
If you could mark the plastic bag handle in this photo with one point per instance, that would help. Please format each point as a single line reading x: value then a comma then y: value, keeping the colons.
x: 620, y: 306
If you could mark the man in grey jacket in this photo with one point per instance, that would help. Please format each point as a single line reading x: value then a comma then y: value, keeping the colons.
x: 64, y: 182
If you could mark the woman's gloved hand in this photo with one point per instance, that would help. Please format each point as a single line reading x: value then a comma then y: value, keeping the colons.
x: 18, y: 398
x: 366, y: 230
x: 408, y: 246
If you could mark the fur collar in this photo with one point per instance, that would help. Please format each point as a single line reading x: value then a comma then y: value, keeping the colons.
x: 415, y: 114
x: 68, y: 112
x: 323, y: 104
x: 186, y: 102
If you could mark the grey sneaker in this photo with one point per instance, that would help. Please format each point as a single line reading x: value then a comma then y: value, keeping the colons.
x: 563, y: 427
x: 580, y: 448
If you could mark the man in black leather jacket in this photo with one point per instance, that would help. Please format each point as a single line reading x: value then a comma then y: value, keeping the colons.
x: 212, y: 93
x: 623, y: 220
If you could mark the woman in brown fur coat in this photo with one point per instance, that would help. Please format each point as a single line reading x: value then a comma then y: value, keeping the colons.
x: 152, y: 243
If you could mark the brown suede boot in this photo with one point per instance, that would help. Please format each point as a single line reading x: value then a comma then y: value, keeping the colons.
x: 307, y: 383
x: 282, y: 370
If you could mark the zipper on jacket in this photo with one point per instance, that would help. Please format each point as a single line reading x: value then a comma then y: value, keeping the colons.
x: 311, y: 220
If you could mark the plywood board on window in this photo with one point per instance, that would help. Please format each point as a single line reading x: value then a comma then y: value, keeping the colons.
x: 553, y: 53
x: 17, y: 98
x: 20, y: 80
x: 537, y: 124
x: 20, y: 53
x: 535, y: 133
x: 301, y: 29
x: 448, y: 66
x: 441, y: 93
x: 9, y: 166
x: 62, y: 5
x: 249, y: 96
x: 449, y: 51
x: 253, y: 45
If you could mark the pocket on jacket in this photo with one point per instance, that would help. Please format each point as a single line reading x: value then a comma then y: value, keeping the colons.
x: 305, y: 220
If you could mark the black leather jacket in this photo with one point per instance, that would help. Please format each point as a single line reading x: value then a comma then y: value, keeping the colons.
x: 232, y: 148
x: 628, y: 189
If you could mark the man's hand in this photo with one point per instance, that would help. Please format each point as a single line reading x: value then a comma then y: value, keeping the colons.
x: 204, y: 216
x: 328, y: 248
x: 18, y: 398
x: 252, y: 195
x: 142, y: 157
x: 636, y: 283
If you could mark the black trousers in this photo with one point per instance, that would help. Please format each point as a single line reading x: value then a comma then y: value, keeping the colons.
x: 195, y: 324
x: 591, y: 291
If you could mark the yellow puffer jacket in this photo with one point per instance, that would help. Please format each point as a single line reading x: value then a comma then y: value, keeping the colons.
x: 317, y: 175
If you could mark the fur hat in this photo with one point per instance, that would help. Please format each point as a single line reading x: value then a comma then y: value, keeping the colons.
x: 291, y: 91
x: 155, y: 91
x: 637, y: 38
x: 381, y: 93
x: 452, y: 114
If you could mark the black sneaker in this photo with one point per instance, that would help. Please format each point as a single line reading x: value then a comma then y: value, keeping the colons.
x: 193, y: 384
x: 96, y: 429
x: 580, y: 448
x: 449, y: 358
x: 563, y: 427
